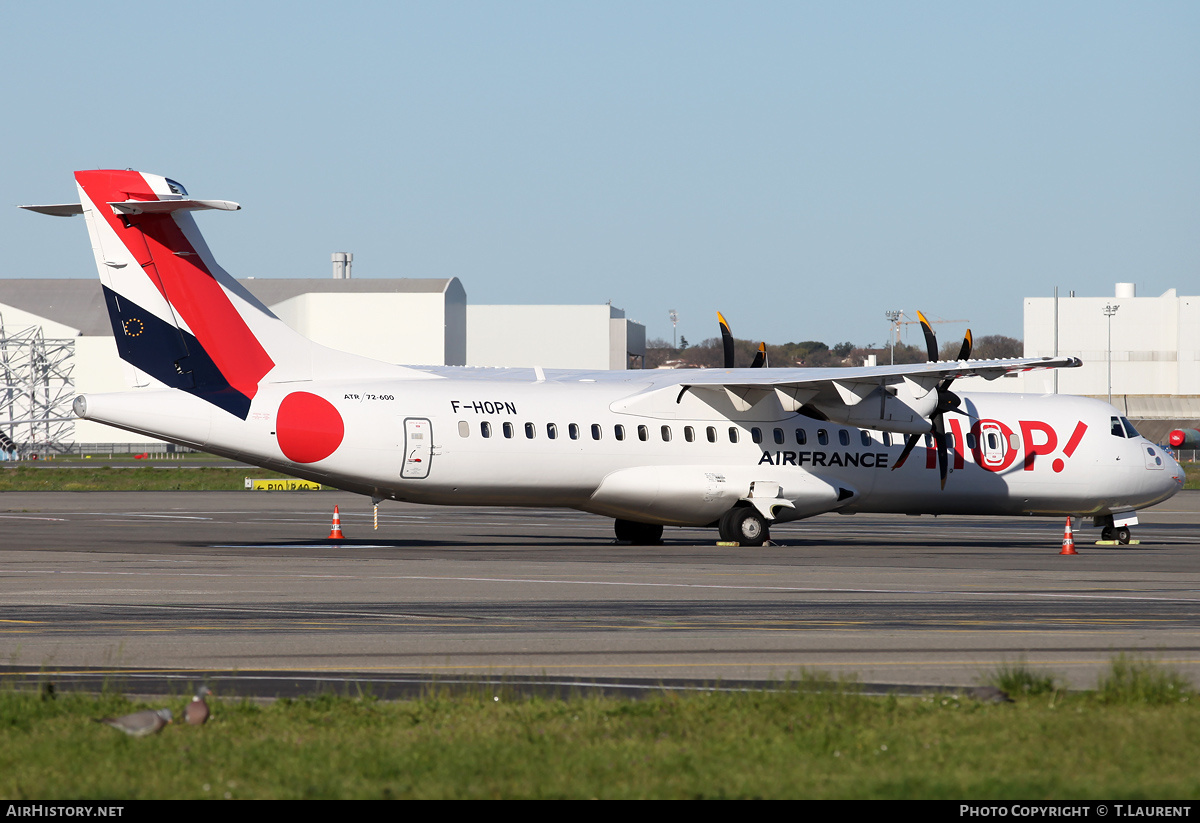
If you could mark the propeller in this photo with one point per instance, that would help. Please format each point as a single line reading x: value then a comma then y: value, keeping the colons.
x: 760, y: 359
x: 947, y: 401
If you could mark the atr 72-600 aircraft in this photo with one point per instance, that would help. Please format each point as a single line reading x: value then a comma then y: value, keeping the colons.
x: 738, y: 449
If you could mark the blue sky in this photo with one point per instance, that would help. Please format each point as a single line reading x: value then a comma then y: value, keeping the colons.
x: 801, y: 167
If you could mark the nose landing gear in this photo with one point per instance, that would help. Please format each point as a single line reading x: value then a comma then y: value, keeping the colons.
x: 1120, y: 534
x: 1115, y: 528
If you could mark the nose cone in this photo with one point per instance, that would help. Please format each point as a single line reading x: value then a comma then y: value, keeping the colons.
x: 1175, y: 475
x: 1164, y: 479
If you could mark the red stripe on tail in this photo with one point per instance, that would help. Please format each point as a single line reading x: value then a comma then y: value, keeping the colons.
x: 183, y: 279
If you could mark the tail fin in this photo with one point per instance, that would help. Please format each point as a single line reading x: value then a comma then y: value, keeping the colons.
x: 179, y: 317
x: 176, y: 315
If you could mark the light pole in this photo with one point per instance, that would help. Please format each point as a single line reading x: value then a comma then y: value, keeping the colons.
x: 1109, y: 311
x: 892, y: 317
x: 674, y: 319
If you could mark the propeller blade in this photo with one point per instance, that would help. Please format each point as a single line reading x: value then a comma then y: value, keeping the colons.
x: 965, y: 352
x: 760, y: 359
x: 726, y: 340
x: 939, y: 437
x: 930, y: 338
x: 908, y: 447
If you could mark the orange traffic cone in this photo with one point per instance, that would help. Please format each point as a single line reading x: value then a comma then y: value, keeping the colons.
x: 1068, y: 540
x: 336, y: 533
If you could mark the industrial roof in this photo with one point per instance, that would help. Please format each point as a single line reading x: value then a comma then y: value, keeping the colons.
x: 79, y: 302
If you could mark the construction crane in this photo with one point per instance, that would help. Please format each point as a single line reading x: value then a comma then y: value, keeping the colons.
x: 899, y: 318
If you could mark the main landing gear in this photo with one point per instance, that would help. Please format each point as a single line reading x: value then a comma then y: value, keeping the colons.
x: 639, y: 534
x: 744, y: 525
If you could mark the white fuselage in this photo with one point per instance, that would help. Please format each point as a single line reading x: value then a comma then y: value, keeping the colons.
x: 621, y: 445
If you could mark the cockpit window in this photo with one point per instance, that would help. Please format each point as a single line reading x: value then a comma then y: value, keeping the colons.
x: 176, y: 188
x: 1117, y: 429
x: 1130, y: 431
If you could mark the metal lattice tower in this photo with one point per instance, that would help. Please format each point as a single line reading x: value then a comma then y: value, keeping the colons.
x: 36, y: 390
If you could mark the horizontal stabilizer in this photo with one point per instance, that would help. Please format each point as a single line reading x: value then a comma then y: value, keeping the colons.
x: 57, y: 209
x: 168, y: 206
x: 139, y: 207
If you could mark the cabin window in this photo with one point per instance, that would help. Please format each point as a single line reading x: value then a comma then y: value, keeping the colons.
x: 801, y: 436
x: 929, y: 441
x: 970, y: 441
x: 733, y: 434
x: 508, y: 430
x: 844, y: 437
x: 643, y: 433
x: 573, y: 430
x: 778, y: 436
x: 866, y: 438
x: 666, y: 434
x: 596, y: 431
x: 823, y: 437
x: 1117, y: 429
x: 887, y: 438
x: 1130, y: 431
x: 619, y: 431
x: 530, y: 430
x: 551, y: 431
x: 464, y: 428
x: 1014, y: 441
x: 689, y: 434
x: 756, y: 434
x: 712, y: 434
x: 950, y: 440
x: 485, y: 428
x: 993, y: 441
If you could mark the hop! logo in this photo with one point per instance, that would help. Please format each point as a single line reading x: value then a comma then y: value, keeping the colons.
x: 995, y: 447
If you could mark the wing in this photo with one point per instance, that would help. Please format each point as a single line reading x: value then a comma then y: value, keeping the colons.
x: 887, y: 398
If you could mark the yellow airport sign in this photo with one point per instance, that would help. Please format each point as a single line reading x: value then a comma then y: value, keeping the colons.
x: 281, y: 484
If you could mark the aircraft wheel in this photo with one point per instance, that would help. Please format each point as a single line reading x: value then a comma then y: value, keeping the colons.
x: 725, y: 527
x: 1106, y: 533
x: 639, y: 534
x: 1122, y: 534
x: 747, y: 526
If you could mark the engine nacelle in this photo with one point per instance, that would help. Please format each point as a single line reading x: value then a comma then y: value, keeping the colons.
x: 902, y: 407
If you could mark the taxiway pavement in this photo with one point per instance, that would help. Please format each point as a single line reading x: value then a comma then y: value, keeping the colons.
x: 247, y: 582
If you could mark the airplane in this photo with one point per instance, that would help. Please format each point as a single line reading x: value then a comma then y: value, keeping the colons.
x: 741, y: 449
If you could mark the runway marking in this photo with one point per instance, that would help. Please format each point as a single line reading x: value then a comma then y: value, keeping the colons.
x: 31, y: 517
x: 1194, y: 598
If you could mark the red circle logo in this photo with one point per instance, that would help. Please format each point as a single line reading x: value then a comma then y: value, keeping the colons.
x: 308, y: 427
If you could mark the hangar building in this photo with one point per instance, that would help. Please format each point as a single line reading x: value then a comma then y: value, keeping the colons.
x: 416, y: 322
x: 1154, y: 354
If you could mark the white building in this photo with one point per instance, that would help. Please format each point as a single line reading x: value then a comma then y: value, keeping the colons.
x: 407, y: 321
x: 554, y: 337
x: 1154, y: 354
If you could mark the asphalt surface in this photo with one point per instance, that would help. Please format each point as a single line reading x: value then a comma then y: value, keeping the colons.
x: 156, y: 591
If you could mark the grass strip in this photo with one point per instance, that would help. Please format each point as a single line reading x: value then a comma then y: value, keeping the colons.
x: 797, y: 743
x: 133, y: 478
